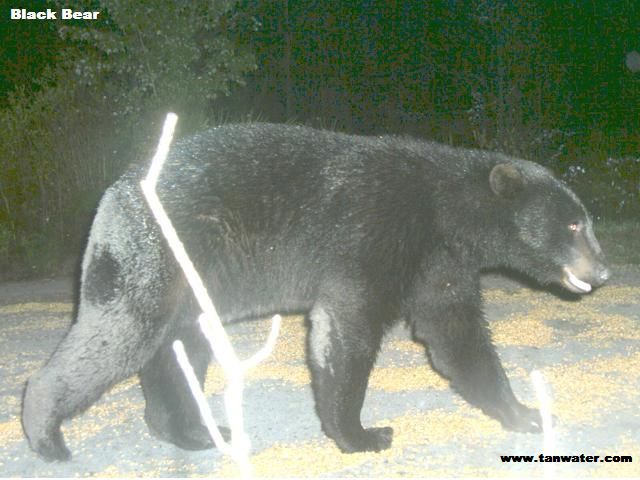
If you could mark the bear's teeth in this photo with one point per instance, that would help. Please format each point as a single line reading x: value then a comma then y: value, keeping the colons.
x: 576, y: 282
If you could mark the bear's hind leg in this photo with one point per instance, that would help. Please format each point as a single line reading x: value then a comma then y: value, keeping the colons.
x: 342, y: 351
x: 90, y: 359
x: 171, y: 412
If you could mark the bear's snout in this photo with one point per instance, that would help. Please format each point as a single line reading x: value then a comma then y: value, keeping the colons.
x: 603, y: 274
x: 583, y: 276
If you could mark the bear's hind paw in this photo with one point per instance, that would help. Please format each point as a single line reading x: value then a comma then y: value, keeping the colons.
x: 53, y: 450
x: 369, y: 440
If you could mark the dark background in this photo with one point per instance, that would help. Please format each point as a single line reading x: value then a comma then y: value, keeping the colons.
x: 555, y: 82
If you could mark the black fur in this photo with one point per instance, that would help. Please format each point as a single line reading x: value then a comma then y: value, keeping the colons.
x: 355, y: 232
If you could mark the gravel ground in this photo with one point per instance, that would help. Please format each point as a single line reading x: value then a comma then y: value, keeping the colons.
x: 588, y: 351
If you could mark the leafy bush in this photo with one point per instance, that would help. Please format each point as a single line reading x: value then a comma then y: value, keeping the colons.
x: 52, y: 161
x: 149, y: 57
x: 611, y: 188
x: 99, y: 109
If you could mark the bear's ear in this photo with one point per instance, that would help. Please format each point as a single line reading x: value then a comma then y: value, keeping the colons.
x: 505, y: 180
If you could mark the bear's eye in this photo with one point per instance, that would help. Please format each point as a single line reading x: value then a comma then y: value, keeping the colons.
x: 574, y: 226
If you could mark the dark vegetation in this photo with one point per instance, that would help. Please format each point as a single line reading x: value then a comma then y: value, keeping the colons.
x: 554, y: 82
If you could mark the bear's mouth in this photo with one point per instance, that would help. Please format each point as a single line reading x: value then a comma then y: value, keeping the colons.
x: 573, y: 283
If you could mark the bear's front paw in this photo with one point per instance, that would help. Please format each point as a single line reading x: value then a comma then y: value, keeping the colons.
x: 368, y: 440
x: 522, y: 419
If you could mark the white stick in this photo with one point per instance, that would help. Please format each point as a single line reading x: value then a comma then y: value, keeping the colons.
x: 198, y: 395
x: 163, y: 148
x: 221, y: 345
x: 544, y: 400
x: 210, y: 323
x: 265, y: 351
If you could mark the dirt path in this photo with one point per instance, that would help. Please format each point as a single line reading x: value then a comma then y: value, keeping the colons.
x: 588, y: 351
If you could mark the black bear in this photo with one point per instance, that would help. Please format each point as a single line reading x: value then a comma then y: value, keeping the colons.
x: 355, y: 232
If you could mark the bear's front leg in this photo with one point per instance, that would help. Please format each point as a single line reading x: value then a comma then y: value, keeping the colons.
x: 342, y: 350
x: 447, y: 316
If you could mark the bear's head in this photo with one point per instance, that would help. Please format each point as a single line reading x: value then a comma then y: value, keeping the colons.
x: 552, y: 233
